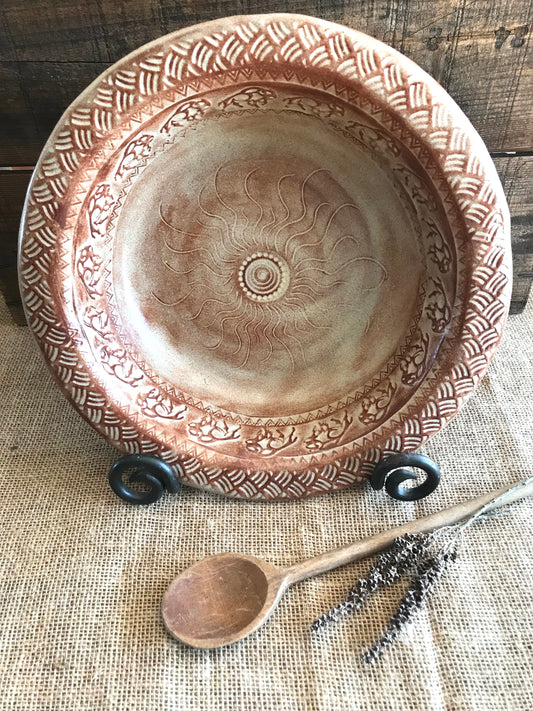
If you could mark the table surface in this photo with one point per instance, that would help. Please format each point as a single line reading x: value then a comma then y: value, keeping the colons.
x: 82, y: 573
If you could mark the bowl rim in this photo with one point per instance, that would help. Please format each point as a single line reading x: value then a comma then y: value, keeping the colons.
x: 454, y: 143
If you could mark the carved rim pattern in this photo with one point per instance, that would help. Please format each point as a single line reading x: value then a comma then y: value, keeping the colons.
x: 291, y: 44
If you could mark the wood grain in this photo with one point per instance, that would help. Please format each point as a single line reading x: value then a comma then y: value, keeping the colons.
x: 478, y: 49
x: 37, y: 94
x: 13, y: 187
x: 516, y: 174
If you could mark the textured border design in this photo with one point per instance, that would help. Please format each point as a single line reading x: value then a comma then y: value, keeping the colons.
x: 294, y: 43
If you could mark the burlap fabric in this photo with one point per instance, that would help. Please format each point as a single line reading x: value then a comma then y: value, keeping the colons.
x: 82, y: 573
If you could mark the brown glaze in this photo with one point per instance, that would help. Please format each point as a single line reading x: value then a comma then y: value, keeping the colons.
x: 271, y: 265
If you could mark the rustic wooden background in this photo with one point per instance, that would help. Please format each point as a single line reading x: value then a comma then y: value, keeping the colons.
x: 479, y: 50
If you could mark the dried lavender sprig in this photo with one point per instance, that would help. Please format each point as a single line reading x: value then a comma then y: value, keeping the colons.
x: 435, y: 551
x: 430, y: 571
x: 391, y: 565
x: 406, y: 554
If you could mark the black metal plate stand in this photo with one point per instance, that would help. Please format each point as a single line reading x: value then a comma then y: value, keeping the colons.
x: 390, y: 473
x: 160, y: 477
x: 146, y: 469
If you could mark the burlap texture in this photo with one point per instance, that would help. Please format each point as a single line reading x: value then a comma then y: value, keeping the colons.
x: 82, y: 573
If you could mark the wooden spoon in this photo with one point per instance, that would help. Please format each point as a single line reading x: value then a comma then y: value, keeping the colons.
x: 225, y: 597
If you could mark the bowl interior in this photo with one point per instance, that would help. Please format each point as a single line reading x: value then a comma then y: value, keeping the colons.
x: 280, y: 252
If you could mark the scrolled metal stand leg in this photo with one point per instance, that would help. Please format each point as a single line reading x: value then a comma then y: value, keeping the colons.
x: 389, y: 473
x: 146, y: 469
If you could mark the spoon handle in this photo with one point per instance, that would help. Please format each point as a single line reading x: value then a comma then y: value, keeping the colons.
x: 375, y: 544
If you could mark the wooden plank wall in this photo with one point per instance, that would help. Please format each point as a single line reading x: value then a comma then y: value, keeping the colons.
x: 479, y: 50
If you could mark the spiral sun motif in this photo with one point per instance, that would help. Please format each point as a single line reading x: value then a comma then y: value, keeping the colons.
x: 264, y: 276
x: 261, y: 257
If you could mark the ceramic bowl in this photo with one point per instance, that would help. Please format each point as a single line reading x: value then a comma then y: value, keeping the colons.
x: 269, y: 249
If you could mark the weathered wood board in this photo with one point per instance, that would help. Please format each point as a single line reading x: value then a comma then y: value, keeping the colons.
x: 480, y: 51
x: 51, y: 49
x: 516, y: 174
x: 13, y: 187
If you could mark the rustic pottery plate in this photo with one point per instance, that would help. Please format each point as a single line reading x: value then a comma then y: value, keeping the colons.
x: 269, y: 249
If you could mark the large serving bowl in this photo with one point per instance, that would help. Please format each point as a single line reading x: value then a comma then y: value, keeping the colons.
x: 268, y: 249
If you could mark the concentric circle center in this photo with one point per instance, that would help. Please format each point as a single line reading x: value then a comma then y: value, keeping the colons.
x: 264, y: 276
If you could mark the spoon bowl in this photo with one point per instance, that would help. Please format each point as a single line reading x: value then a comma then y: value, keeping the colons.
x: 222, y: 599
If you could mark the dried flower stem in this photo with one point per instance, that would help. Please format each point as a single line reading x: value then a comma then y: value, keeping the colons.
x: 429, y: 572
x: 423, y: 556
